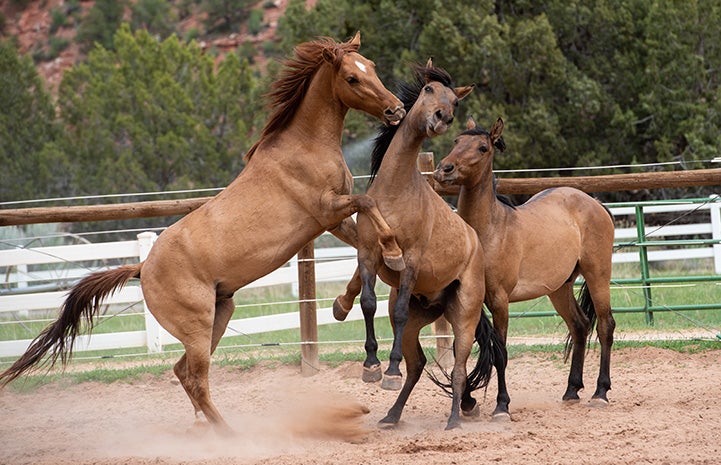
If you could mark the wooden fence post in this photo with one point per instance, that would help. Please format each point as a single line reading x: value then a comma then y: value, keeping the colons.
x: 716, y: 232
x: 441, y: 327
x: 153, y: 331
x: 309, y: 363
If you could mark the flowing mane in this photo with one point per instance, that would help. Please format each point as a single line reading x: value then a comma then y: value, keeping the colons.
x: 290, y: 89
x: 408, y: 93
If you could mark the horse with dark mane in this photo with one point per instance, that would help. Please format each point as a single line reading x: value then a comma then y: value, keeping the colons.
x: 295, y: 186
x: 443, y: 256
x: 537, y: 249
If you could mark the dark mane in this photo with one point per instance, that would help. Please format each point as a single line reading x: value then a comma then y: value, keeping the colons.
x: 408, y: 93
x: 288, y: 91
x: 501, y: 146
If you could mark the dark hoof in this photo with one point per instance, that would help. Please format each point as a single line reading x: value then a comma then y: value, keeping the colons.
x: 339, y: 313
x: 372, y: 374
x: 598, y: 402
x: 387, y: 423
x: 456, y: 424
x: 395, y: 263
x: 501, y: 417
x: 571, y: 401
x: 392, y: 382
x: 474, y: 412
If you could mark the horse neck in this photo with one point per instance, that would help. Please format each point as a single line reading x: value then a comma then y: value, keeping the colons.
x: 479, y: 206
x: 320, y: 117
x: 399, y: 166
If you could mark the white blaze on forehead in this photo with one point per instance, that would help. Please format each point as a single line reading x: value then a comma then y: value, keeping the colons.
x: 360, y: 66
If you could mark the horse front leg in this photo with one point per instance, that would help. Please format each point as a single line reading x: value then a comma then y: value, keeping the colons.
x: 347, y: 231
x: 393, y: 379
x: 346, y: 205
x: 415, y: 358
x: 368, y: 301
x: 343, y: 304
x: 498, y: 305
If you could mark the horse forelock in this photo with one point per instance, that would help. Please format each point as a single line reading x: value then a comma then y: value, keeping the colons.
x: 500, y: 144
x: 408, y: 93
x: 289, y: 90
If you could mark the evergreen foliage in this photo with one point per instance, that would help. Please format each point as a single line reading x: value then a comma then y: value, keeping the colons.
x: 578, y: 83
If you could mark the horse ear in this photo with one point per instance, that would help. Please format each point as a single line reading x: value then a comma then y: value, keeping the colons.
x: 462, y: 92
x: 329, y: 56
x: 470, y: 124
x: 427, y: 69
x: 496, y: 131
x: 355, y: 41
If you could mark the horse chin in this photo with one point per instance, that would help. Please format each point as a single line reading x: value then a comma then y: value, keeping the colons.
x: 445, y: 181
x: 438, y: 129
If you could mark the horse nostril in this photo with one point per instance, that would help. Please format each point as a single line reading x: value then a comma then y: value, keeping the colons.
x: 450, y: 121
x: 448, y: 168
x: 439, y: 115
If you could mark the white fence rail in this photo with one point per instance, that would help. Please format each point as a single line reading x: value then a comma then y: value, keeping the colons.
x: 332, y: 264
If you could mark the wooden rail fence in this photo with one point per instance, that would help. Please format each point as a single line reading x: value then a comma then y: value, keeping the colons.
x: 306, y: 269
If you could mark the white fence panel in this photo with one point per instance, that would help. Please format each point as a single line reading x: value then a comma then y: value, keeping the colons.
x: 332, y: 264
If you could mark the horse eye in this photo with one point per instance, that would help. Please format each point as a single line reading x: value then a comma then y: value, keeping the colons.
x: 352, y: 80
x: 483, y: 149
x: 429, y: 89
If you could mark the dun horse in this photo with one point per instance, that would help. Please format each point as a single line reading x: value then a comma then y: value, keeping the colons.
x: 537, y: 249
x: 443, y: 256
x: 295, y: 186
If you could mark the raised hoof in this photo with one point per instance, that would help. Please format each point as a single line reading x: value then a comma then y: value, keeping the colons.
x: 392, y: 382
x: 598, y: 402
x: 475, y: 412
x: 372, y: 374
x: 395, y: 263
x: 501, y: 417
x: 339, y: 313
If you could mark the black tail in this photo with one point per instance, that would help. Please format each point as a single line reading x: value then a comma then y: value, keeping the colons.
x: 586, y: 304
x: 489, y: 354
x: 83, y: 303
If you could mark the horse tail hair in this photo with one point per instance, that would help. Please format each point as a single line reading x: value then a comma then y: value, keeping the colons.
x: 491, y: 351
x: 585, y: 303
x: 82, y: 303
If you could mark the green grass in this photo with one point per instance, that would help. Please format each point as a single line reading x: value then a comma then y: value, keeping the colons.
x: 344, y: 341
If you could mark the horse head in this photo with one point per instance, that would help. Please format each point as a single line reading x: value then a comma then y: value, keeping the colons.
x: 357, y: 85
x: 437, y: 100
x: 471, y: 158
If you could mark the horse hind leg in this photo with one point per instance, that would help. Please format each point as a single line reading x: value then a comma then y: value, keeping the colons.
x: 578, y: 326
x: 192, y: 368
x: 600, y: 299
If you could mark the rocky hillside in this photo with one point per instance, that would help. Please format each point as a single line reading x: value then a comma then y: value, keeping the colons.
x: 38, y: 26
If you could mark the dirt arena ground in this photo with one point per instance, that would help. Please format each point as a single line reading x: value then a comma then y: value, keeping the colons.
x: 665, y: 409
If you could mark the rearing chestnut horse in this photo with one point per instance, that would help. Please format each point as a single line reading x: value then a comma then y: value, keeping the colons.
x: 295, y: 186
x: 443, y: 256
x: 536, y: 249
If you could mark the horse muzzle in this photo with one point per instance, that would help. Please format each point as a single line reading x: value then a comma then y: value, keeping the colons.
x: 445, y: 174
x: 394, y: 115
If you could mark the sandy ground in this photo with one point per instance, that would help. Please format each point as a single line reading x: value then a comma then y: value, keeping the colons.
x: 665, y: 409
